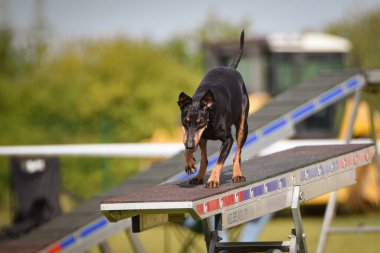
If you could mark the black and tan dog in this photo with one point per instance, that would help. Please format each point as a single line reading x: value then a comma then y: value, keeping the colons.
x: 220, y: 101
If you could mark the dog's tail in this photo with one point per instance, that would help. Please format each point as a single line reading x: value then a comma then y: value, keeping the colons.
x: 236, y: 61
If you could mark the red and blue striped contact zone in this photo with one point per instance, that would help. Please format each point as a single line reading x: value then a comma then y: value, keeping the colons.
x: 69, y: 241
x: 232, y: 198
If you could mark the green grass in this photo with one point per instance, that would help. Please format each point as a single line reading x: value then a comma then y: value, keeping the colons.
x: 171, y: 237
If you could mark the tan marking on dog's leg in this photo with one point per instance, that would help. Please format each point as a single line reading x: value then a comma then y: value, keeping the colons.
x: 198, y: 179
x: 213, y: 181
x: 236, y: 172
x: 237, y: 175
x: 190, y: 163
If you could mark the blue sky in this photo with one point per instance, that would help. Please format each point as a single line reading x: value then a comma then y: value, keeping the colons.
x: 159, y: 20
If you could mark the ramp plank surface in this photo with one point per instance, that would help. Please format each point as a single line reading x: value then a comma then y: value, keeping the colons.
x: 255, y: 170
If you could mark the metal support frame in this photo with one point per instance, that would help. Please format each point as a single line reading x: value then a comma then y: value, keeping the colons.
x: 296, y: 243
x: 134, y: 241
x: 300, y: 234
x: 104, y: 247
x: 331, y: 205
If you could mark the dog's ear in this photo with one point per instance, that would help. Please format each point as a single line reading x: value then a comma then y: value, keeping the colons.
x: 184, y: 100
x: 207, y: 99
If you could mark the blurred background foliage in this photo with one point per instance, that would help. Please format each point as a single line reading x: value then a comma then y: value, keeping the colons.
x: 362, y: 28
x: 93, y: 88
x: 114, y: 90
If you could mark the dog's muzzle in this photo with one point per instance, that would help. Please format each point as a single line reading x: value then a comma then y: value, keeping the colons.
x: 190, y: 146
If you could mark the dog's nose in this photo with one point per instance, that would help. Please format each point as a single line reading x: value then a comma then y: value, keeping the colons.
x: 190, y: 146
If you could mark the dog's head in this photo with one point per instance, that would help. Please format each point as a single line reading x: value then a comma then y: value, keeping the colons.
x: 194, y: 118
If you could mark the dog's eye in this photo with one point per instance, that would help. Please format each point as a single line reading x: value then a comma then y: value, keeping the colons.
x: 201, y: 121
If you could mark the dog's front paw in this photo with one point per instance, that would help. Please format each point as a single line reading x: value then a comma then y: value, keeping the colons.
x: 190, y: 166
x: 212, y: 184
x: 196, y: 180
x: 238, y: 179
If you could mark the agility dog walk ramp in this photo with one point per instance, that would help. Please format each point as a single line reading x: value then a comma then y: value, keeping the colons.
x: 85, y: 227
x: 274, y: 182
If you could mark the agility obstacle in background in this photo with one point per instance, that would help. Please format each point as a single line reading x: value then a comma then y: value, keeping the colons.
x: 85, y: 227
x: 273, y: 183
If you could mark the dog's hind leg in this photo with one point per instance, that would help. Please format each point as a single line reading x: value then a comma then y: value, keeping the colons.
x: 241, y: 137
x: 198, y: 179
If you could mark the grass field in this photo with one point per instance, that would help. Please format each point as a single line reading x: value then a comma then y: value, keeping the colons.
x: 173, y: 238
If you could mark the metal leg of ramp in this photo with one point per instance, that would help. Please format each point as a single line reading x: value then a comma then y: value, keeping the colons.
x: 104, y: 247
x: 329, y: 214
x: 331, y: 205
x: 296, y: 243
x: 135, y: 241
x: 300, y: 234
